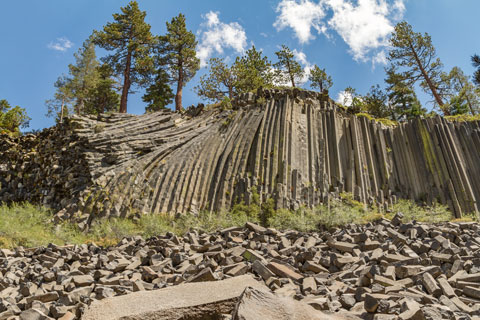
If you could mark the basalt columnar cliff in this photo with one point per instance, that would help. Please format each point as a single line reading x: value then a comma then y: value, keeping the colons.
x: 296, y: 147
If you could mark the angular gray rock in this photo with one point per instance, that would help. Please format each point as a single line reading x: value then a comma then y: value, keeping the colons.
x: 256, y: 304
x: 191, y: 299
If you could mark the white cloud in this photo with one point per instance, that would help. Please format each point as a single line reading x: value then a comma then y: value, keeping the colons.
x: 61, y: 44
x: 301, y: 17
x: 216, y: 36
x: 307, y: 66
x: 345, y: 98
x: 364, y: 25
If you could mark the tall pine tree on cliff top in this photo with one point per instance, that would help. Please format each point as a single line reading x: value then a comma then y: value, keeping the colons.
x: 288, y: 69
x: 476, y: 64
x: 178, y: 48
x: 414, y: 56
x: 320, y: 79
x: 253, y: 71
x: 84, y: 74
x: 130, y: 37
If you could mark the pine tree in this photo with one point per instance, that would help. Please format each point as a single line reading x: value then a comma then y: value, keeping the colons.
x: 476, y: 64
x: 253, y: 70
x: 159, y: 94
x: 401, y: 97
x: 61, y: 105
x: 288, y: 69
x: 130, y: 37
x: 375, y: 102
x: 461, y: 92
x: 87, y: 89
x: 83, y: 75
x: 319, y: 79
x: 12, y: 118
x: 103, y: 97
x: 415, y: 54
x: 178, y: 49
x: 219, y: 82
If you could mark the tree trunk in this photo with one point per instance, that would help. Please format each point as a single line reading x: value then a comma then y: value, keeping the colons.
x: 290, y: 74
x: 126, y: 84
x: 178, y: 96
x: 61, y: 110
x: 472, y: 111
x: 432, y: 88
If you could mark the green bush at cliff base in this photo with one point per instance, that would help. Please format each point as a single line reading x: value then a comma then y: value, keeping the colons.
x: 412, y: 211
x: 31, y: 226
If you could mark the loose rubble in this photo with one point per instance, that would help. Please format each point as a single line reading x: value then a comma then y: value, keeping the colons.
x: 381, y: 270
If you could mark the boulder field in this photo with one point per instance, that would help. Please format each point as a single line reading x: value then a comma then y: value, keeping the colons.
x: 381, y: 270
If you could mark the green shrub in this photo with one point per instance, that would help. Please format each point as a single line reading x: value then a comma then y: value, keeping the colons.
x: 384, y: 121
x: 31, y: 226
x: 412, y: 211
x: 302, y: 220
x: 25, y: 225
x: 463, y: 117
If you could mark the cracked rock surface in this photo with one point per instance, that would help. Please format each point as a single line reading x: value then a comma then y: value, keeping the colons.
x: 296, y: 147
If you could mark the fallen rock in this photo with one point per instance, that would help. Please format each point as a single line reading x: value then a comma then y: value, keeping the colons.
x: 257, y: 304
x: 190, y: 299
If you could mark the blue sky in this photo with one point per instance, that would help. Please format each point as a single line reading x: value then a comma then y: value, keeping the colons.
x: 347, y: 37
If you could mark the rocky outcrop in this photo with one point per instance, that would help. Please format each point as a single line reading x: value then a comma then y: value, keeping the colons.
x: 294, y: 146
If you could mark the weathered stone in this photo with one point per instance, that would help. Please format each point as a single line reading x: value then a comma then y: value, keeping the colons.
x: 255, y: 303
x: 204, y: 275
x: 83, y: 281
x: 472, y: 292
x: 46, y: 297
x: 370, y: 303
x: 67, y: 316
x: 255, y: 228
x: 461, y: 305
x: 284, y: 271
x: 431, y: 285
x: 347, y: 300
x: 313, y: 267
x: 445, y: 286
x: 262, y: 270
x: 32, y: 314
x: 237, y: 269
x: 309, y: 285
x: 342, y: 246
x: 190, y: 299
x: 251, y: 255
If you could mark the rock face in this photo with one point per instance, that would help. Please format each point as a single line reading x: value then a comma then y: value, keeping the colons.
x: 395, y: 271
x: 290, y: 145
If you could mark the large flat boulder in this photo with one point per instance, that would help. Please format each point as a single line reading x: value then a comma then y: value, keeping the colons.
x: 195, y: 300
x: 260, y: 304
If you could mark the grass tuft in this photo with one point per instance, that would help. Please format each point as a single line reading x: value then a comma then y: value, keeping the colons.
x: 31, y: 226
